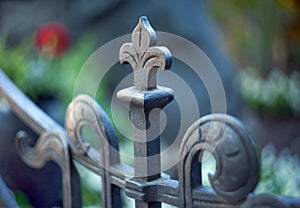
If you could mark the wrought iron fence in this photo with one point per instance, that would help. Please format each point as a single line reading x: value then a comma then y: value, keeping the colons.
x: 237, y: 169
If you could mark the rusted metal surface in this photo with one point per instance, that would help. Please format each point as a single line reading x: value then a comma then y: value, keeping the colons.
x: 228, y: 141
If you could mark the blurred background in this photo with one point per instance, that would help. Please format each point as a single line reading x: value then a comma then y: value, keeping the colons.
x: 254, y: 45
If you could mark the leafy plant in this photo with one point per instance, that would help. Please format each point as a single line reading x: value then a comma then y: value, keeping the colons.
x: 264, y: 36
x: 277, y: 94
x: 22, y: 199
x: 279, y: 172
x: 38, y: 76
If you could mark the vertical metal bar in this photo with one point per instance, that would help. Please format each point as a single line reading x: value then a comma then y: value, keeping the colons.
x: 144, y: 108
x: 146, y: 143
x: 146, y: 146
x: 145, y: 58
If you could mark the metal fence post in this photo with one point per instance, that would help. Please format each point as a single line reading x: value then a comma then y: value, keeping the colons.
x: 145, y: 100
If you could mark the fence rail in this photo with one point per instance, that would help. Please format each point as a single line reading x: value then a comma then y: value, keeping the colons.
x: 237, y: 170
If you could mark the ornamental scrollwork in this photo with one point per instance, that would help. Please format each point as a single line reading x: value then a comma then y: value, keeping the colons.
x: 82, y: 112
x: 237, y: 164
x: 49, y: 146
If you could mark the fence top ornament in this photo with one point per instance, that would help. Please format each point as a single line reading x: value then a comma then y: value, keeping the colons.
x: 144, y: 57
x: 237, y: 162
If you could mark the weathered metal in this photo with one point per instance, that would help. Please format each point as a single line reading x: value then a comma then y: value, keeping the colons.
x: 52, y: 143
x: 145, y: 58
x: 84, y: 111
x: 228, y: 141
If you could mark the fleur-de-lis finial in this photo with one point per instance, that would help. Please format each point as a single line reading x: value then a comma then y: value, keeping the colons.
x: 144, y: 56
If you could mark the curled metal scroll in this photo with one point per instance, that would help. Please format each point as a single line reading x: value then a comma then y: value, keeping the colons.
x: 84, y: 111
x: 228, y: 141
x: 49, y: 146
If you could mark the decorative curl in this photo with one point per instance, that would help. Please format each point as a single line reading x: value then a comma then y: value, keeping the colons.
x: 84, y: 111
x: 229, y: 142
x: 49, y: 146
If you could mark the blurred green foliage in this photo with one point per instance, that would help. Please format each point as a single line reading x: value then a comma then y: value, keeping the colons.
x: 277, y: 94
x: 38, y: 76
x: 258, y: 32
x: 279, y: 172
x: 264, y: 36
x: 22, y: 199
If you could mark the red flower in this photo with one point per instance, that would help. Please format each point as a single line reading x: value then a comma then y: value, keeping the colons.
x: 52, y: 39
